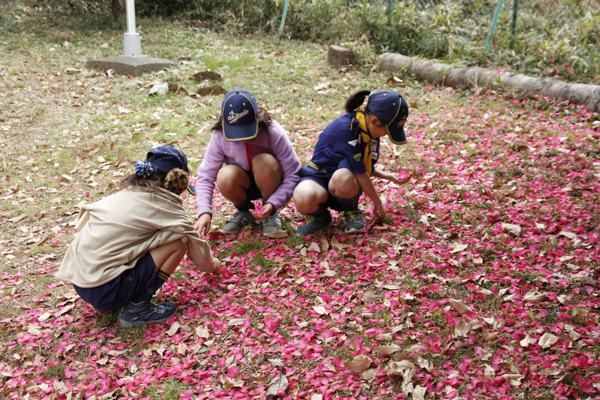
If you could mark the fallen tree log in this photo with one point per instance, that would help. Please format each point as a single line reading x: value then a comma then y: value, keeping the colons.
x: 476, y: 77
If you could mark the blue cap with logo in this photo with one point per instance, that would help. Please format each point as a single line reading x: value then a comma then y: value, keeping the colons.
x: 166, y: 158
x: 392, y: 110
x: 239, y: 111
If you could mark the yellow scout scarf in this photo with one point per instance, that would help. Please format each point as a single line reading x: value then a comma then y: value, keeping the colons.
x: 365, y: 142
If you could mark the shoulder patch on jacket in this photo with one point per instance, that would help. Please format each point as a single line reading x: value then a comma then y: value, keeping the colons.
x: 357, y: 157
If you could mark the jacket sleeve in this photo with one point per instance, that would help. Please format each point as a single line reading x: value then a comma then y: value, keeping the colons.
x: 207, y: 174
x: 286, y: 155
x: 199, y: 251
x: 180, y: 227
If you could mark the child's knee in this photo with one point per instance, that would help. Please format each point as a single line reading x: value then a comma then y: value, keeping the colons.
x: 266, y: 165
x: 344, y: 183
x: 303, y: 201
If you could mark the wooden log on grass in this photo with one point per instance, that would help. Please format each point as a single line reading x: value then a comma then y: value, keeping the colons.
x: 476, y: 77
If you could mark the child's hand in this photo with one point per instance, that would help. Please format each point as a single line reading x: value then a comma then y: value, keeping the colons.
x: 402, y: 178
x: 262, y: 212
x: 380, y: 210
x: 203, y: 224
x: 216, y: 266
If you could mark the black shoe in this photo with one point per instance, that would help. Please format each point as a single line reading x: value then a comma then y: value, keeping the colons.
x: 146, y: 313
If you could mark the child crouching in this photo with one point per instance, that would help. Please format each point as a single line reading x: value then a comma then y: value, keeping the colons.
x: 131, y: 242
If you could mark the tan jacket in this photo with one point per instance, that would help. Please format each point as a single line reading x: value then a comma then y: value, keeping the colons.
x: 118, y: 230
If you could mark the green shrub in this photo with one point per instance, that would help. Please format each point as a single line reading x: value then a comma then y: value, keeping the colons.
x: 561, y: 40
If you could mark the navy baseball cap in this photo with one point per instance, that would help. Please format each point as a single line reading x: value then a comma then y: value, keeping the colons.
x: 166, y: 158
x: 239, y: 112
x: 392, y: 110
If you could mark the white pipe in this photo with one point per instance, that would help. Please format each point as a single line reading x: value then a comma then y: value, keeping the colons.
x: 130, y: 5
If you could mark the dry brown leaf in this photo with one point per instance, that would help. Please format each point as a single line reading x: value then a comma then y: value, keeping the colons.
x: 386, y: 350
x: 322, y: 86
x: 370, y: 297
x: 359, y: 363
x: 512, y: 228
x: 527, y: 340
x: 399, y: 367
x: 324, y: 241
x: 419, y: 393
x: 460, y: 306
x: 459, y: 248
x: 534, y: 298
x: 174, y: 328
x: 547, y: 340
x: 549, y: 371
x: 462, y: 328
x: 320, y: 310
x: 279, y: 383
x: 278, y: 233
x: 17, y: 219
x: 230, y: 383
x: 314, y: 247
x: 336, y: 245
x: 394, y: 80
x: 369, y: 374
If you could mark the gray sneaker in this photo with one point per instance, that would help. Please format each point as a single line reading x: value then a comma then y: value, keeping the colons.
x: 272, y: 223
x: 239, y: 220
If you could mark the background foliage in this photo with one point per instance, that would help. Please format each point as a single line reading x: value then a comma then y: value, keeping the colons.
x: 553, y: 37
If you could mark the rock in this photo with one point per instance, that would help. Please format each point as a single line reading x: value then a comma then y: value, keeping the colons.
x: 341, y: 56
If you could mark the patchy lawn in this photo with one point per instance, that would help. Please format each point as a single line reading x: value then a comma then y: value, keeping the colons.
x: 482, y: 283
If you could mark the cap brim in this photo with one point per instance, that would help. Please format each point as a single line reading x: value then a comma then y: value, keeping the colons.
x: 397, y: 136
x: 236, y: 133
x: 191, y: 189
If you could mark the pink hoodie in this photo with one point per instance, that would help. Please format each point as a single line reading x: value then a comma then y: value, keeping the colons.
x: 221, y: 151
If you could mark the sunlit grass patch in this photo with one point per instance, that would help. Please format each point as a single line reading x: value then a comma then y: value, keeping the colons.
x: 239, y: 61
x: 169, y: 390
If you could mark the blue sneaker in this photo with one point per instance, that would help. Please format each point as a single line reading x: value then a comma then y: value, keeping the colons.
x: 354, y: 221
x: 146, y: 313
x: 313, y: 225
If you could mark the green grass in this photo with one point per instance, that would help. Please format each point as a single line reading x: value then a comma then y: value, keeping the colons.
x: 55, y: 371
x: 294, y: 241
x: 214, y: 63
x: 260, y: 259
x: 170, y: 390
x: 245, y: 246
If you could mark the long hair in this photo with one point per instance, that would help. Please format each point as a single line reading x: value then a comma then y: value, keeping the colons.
x: 264, y: 120
x: 356, y: 100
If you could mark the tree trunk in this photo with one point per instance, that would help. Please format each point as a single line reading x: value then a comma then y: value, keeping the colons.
x: 115, y: 9
x: 578, y: 93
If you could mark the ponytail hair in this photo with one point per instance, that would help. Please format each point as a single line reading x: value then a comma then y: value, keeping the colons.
x: 176, y: 181
x: 356, y: 100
